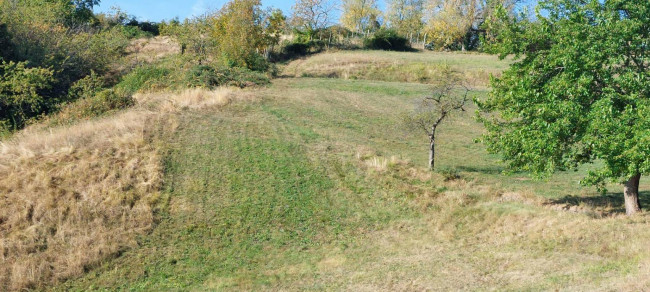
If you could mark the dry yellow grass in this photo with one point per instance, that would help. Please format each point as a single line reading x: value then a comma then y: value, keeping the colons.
x: 73, y: 197
x: 151, y: 49
x: 397, y: 67
x: 195, y: 98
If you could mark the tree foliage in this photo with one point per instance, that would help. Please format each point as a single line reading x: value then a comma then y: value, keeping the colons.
x: 360, y: 15
x: 405, y: 16
x: 455, y: 24
x: 21, y: 93
x: 579, y: 93
x: 387, y: 40
x: 50, y: 39
x: 243, y: 30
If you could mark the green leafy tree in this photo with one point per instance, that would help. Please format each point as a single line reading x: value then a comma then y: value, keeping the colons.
x: 241, y: 34
x: 274, y: 25
x: 453, y: 24
x: 83, y: 11
x: 405, y: 16
x: 360, y: 15
x: 579, y: 93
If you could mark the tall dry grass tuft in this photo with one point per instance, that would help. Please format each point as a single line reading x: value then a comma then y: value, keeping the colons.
x: 151, y: 49
x: 73, y: 197
x: 194, y: 98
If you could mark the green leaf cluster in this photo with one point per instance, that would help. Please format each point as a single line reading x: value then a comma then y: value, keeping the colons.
x: 56, y: 43
x: 21, y: 93
x: 578, y: 93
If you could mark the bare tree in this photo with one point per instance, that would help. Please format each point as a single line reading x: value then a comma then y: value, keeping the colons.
x: 313, y: 15
x: 448, y: 96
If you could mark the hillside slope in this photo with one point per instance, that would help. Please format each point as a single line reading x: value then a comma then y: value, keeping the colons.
x: 312, y: 184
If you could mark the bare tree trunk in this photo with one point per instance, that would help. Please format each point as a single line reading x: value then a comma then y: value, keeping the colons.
x: 432, y: 150
x: 631, y: 194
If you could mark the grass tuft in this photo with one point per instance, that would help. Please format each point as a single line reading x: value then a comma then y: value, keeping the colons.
x: 74, y: 197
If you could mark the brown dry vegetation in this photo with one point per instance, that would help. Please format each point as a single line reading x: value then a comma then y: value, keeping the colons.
x: 73, y: 197
x: 381, y: 221
x: 397, y: 67
x: 473, y: 236
x: 195, y: 98
x: 151, y: 49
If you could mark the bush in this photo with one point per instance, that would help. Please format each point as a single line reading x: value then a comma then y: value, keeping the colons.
x: 56, y: 37
x: 101, y: 103
x: 107, y: 101
x: 86, y: 87
x: 211, y: 77
x: 147, y: 27
x: 257, y: 62
x: 304, y: 48
x: 298, y: 49
x: 22, y: 93
x: 6, y: 47
x: 145, y: 78
x: 388, y: 40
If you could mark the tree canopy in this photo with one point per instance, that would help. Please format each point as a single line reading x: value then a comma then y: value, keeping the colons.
x: 405, y: 16
x: 456, y: 24
x: 579, y: 93
x: 312, y: 15
x: 360, y: 15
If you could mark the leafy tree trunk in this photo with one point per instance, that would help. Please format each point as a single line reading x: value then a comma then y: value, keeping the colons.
x: 631, y: 193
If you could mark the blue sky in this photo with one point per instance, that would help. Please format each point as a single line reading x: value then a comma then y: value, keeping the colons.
x: 156, y: 10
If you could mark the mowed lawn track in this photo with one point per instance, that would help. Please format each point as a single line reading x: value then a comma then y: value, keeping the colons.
x: 314, y: 185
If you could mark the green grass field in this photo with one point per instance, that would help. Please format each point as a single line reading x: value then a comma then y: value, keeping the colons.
x: 315, y: 185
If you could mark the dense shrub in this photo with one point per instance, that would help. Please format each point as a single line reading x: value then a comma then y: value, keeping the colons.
x: 6, y: 47
x: 145, y: 78
x: 103, y: 102
x: 22, y: 93
x: 211, y: 77
x: 298, y: 49
x: 98, y: 104
x: 60, y: 36
x: 86, y: 87
x: 386, y: 39
x: 147, y: 27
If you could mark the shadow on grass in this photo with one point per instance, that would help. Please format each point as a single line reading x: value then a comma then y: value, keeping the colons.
x: 606, y: 204
x: 496, y: 170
